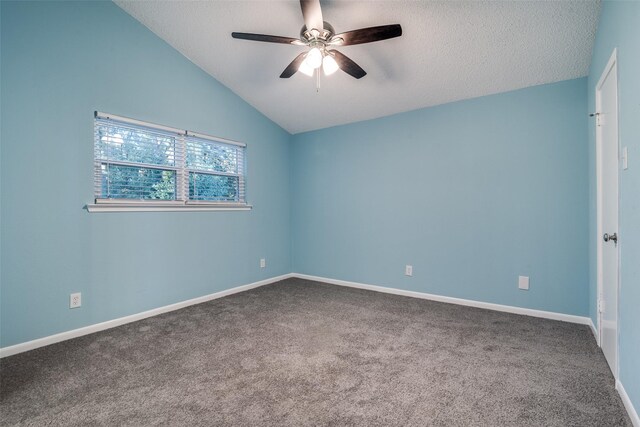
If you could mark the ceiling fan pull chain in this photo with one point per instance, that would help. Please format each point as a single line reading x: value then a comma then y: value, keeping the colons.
x: 317, y: 80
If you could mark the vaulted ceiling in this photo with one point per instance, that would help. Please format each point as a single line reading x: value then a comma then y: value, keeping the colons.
x: 449, y: 51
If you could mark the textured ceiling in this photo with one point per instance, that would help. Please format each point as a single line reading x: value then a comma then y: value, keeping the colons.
x: 449, y: 51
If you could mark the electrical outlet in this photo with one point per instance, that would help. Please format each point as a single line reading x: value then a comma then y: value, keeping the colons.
x: 263, y: 263
x: 408, y: 270
x: 75, y: 300
x: 523, y: 283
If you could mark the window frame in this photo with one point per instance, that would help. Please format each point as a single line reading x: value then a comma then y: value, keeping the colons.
x: 182, y: 172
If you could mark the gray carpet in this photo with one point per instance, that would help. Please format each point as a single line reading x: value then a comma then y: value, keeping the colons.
x: 300, y: 353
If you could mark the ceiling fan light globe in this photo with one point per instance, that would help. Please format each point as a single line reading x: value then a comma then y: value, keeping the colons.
x: 314, y: 58
x: 305, y: 69
x: 329, y: 65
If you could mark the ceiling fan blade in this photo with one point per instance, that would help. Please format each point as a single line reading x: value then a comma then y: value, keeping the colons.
x: 368, y: 35
x: 293, y: 67
x: 312, y: 14
x: 347, y: 65
x: 266, y: 38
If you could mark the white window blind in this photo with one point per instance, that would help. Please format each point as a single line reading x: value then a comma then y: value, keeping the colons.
x: 143, y: 163
x: 216, y: 170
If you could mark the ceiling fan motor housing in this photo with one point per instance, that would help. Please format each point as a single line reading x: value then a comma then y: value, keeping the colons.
x: 324, y: 35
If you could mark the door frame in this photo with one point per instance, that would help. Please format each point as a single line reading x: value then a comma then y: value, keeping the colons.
x: 613, y: 62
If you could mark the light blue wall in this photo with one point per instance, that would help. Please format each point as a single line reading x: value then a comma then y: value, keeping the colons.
x: 60, y: 62
x: 620, y: 28
x: 472, y: 194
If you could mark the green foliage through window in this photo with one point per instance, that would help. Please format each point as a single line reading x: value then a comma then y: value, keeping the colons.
x: 213, y: 187
x: 125, y: 182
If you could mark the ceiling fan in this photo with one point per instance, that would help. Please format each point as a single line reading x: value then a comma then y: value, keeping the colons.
x: 320, y: 37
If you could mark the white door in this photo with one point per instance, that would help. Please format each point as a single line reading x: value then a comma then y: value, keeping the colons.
x: 607, y: 136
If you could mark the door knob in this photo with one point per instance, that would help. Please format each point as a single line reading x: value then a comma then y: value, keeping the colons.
x: 608, y: 237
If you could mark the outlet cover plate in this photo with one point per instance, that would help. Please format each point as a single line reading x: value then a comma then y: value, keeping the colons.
x: 75, y: 300
x: 523, y: 283
x: 408, y: 270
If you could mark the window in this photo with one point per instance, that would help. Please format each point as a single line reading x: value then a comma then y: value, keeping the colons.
x: 143, y: 166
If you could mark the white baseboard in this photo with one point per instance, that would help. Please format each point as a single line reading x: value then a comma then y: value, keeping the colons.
x: 594, y: 330
x: 451, y: 300
x: 63, y: 336
x: 635, y: 420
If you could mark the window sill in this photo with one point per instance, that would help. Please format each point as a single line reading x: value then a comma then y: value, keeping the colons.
x: 166, y: 207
